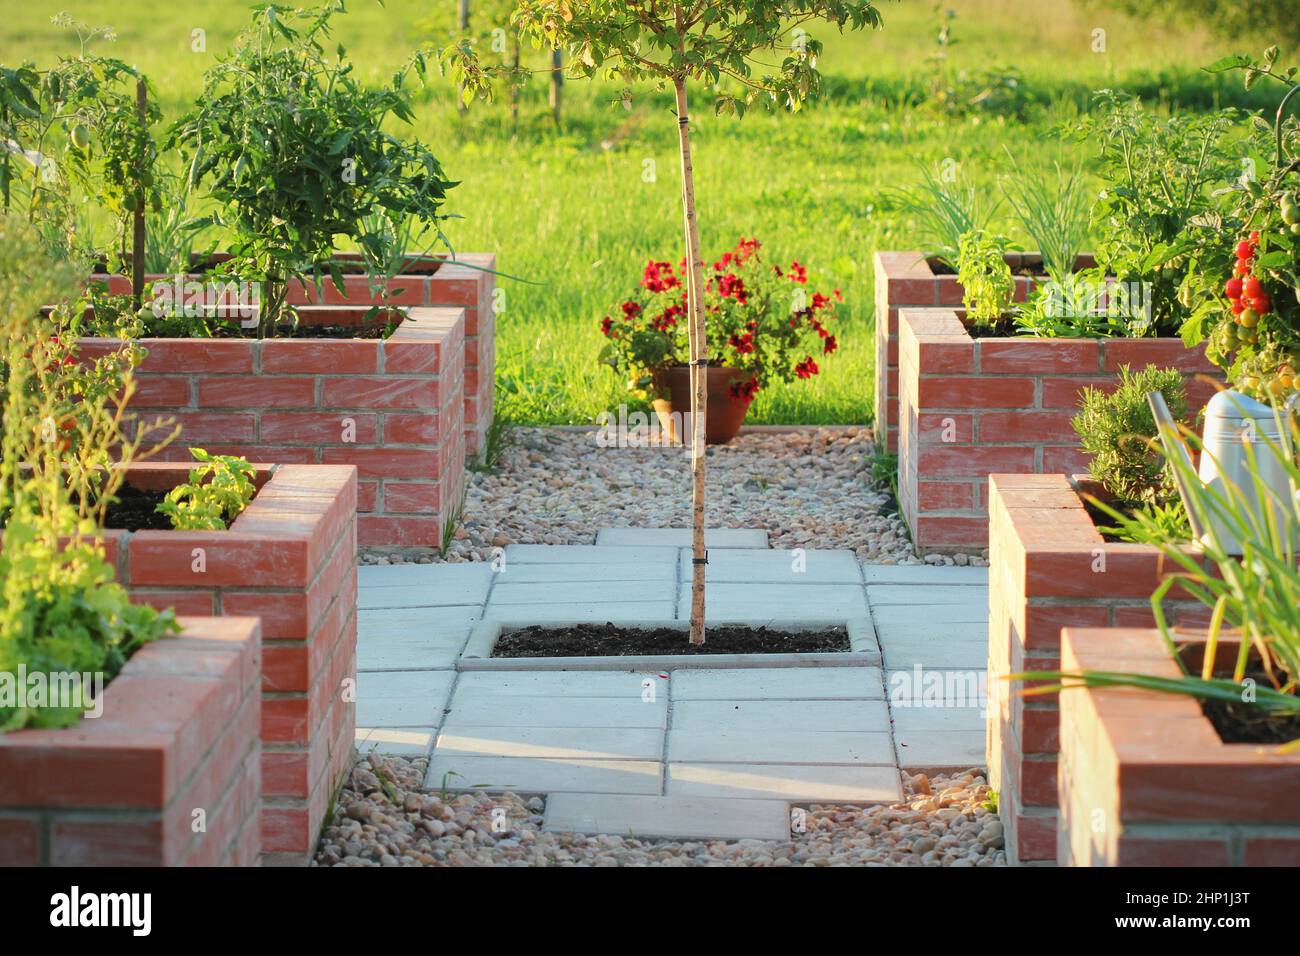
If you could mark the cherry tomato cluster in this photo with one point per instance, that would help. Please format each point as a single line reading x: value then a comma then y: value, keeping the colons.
x: 1246, y: 296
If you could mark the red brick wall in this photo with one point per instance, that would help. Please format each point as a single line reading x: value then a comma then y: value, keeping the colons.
x: 178, y: 734
x: 392, y: 407
x: 1145, y: 780
x: 469, y: 284
x: 908, y: 280
x: 290, y: 559
x: 1049, y: 567
x: 970, y: 407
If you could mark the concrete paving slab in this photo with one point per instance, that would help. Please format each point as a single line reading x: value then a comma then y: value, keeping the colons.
x: 922, y: 617
x: 687, y: 818
x: 804, y: 683
x: 402, y: 698
x: 422, y: 585
x: 719, y: 716
x: 922, y: 750
x: 533, y: 775
x: 755, y: 566
x: 945, y: 651
x: 557, y: 711
x: 589, y: 554
x: 837, y: 784
x: 581, y: 592
x: 921, y: 686
x: 938, y: 719
x: 589, y: 743
x: 395, y: 741
x: 655, y: 574
x: 618, y: 684
x: 884, y: 595
x: 391, y: 652
x: 923, y: 574
x: 789, y: 602
x: 427, y: 622
x: 624, y: 612
x: 680, y: 537
x: 780, y: 746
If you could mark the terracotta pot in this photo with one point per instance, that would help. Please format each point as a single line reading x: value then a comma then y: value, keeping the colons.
x: 723, y: 415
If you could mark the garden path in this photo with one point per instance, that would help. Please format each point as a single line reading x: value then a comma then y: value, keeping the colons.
x: 689, y: 751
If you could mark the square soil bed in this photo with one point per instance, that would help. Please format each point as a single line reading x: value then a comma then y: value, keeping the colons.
x: 393, y: 407
x: 971, y: 407
x: 290, y: 559
x: 178, y: 733
x: 1147, y: 780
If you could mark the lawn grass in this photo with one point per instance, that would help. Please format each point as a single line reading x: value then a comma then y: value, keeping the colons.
x: 574, y: 212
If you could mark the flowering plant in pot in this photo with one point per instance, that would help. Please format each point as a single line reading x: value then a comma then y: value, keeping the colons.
x: 767, y: 323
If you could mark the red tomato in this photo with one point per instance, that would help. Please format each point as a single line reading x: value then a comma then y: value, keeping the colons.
x: 1244, y: 249
x: 1238, y: 307
x: 1262, y: 303
x: 1251, y: 287
x: 1233, y: 289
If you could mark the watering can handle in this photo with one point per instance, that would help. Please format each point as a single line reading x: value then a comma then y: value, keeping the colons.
x: 1174, y: 447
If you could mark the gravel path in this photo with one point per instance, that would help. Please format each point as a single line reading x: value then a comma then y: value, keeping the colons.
x: 385, y: 818
x: 808, y: 488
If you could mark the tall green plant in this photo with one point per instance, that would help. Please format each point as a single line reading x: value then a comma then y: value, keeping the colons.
x: 943, y: 212
x: 988, y: 287
x: 296, y: 153
x: 60, y: 610
x: 728, y: 45
x: 1053, y: 214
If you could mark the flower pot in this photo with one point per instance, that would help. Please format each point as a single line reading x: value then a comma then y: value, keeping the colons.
x: 723, y: 415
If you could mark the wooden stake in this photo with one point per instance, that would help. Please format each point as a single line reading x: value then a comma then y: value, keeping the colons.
x: 699, y: 363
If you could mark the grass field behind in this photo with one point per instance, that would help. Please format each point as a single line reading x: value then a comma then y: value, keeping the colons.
x: 571, y: 210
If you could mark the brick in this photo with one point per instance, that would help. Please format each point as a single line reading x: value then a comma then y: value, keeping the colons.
x: 319, y: 428
x: 406, y: 532
x: 973, y: 393
x: 946, y: 496
x: 1165, y: 353
x: 321, y: 356
x: 943, y: 461
x: 1067, y: 392
x: 262, y: 391
x: 1171, y: 851
x: 161, y: 391
x: 379, y: 392
x: 1026, y: 425
x: 385, y: 462
x: 414, y: 497
x: 207, y: 356
x: 208, y: 427
x: 411, y: 429
x: 20, y: 841
x: 1037, y: 356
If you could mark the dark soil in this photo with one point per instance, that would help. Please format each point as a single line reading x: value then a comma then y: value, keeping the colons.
x: 376, y: 331
x: 607, y: 640
x: 1238, y: 722
x: 1104, y: 522
x: 136, y: 510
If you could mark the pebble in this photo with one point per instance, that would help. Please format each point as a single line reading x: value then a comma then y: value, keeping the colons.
x: 807, y: 487
x: 467, y: 829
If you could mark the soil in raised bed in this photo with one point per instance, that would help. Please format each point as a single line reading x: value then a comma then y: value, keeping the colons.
x: 607, y: 640
x: 1238, y: 722
x: 136, y: 510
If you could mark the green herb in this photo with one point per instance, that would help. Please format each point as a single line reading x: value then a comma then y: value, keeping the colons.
x: 988, y: 287
x: 217, y: 491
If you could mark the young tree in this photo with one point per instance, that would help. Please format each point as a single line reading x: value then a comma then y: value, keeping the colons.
x: 717, y: 42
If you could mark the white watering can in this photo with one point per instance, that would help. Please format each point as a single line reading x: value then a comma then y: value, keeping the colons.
x: 1238, y: 431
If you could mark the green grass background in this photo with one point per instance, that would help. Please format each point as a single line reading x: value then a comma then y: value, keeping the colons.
x: 568, y: 208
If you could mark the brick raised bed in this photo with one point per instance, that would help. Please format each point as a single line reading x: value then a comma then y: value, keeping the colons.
x: 970, y: 407
x: 178, y: 734
x: 289, y: 559
x: 464, y: 284
x: 1049, y: 568
x: 1145, y: 779
x: 909, y: 280
x: 393, y: 407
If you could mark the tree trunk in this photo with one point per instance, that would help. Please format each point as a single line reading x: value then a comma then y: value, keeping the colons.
x: 137, y: 224
x: 514, y: 86
x: 699, y: 364
x: 557, y: 83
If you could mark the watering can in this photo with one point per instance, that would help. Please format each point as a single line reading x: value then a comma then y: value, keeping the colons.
x: 1234, y: 451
